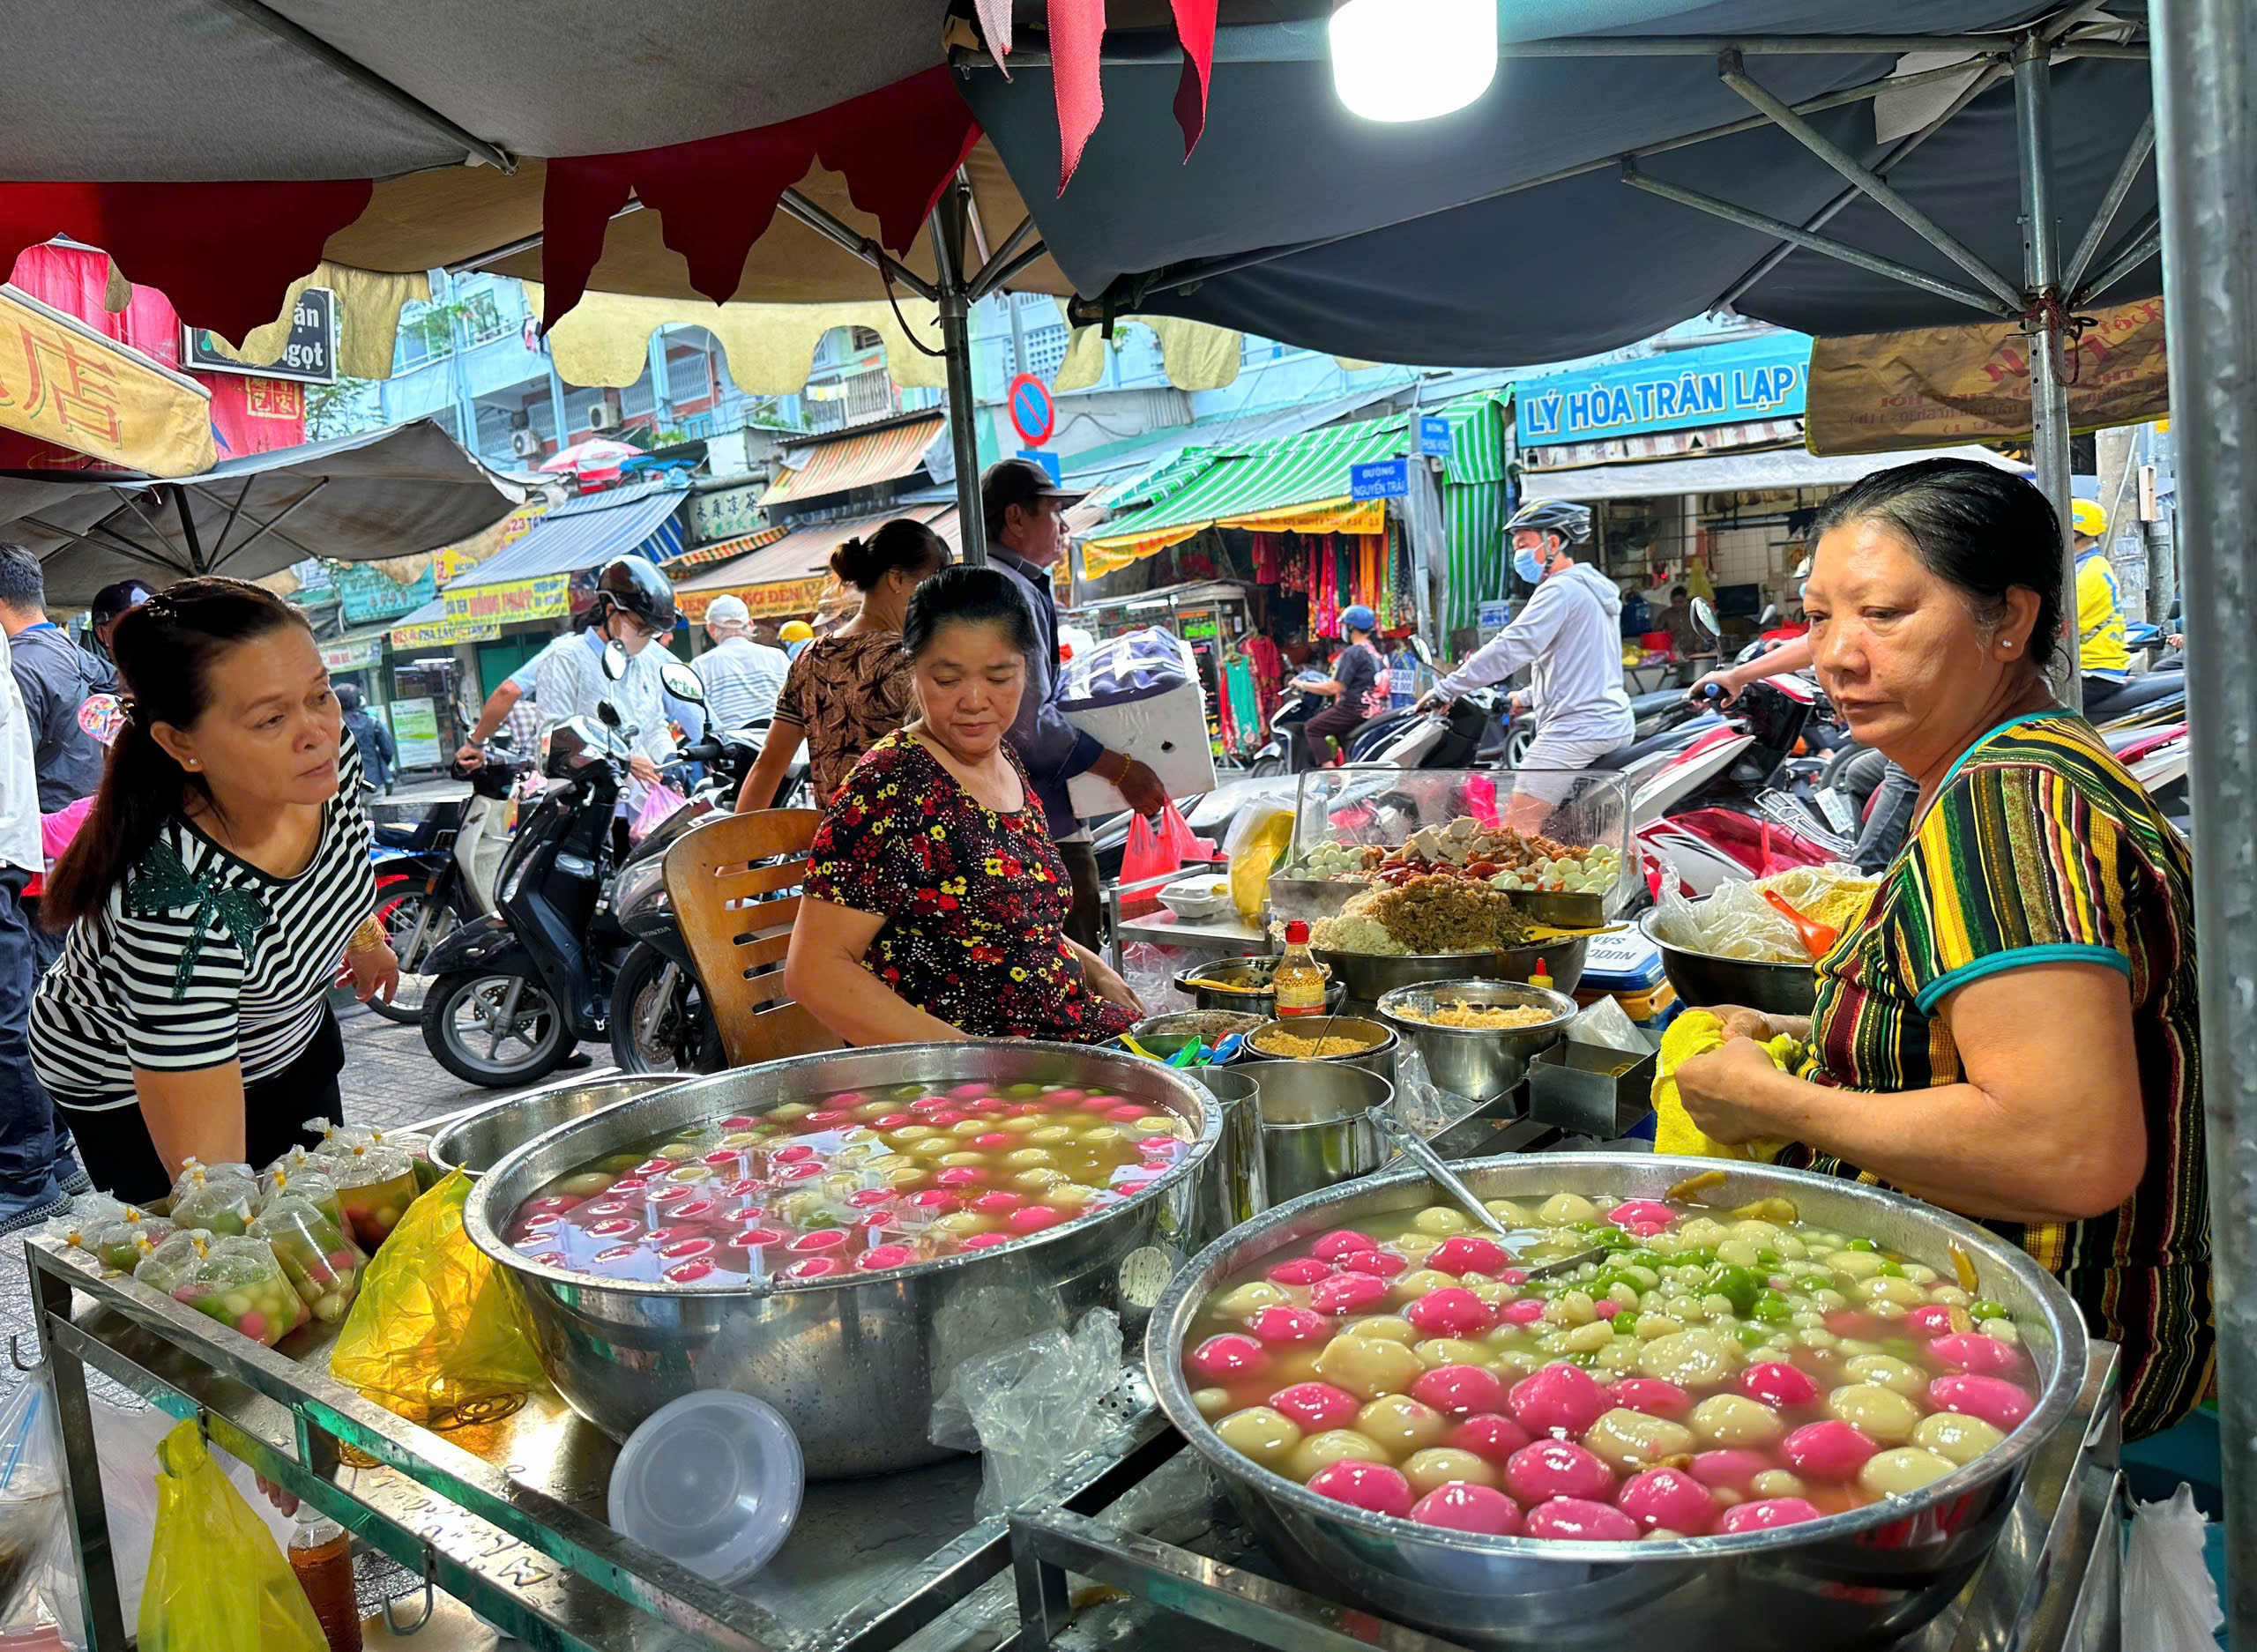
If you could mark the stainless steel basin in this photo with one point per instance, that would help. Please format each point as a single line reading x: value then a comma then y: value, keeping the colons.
x: 1475, y: 1062
x: 1704, y: 978
x: 1371, y: 976
x: 854, y: 1364
x: 1860, y: 1579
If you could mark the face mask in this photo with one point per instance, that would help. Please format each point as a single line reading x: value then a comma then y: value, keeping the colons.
x: 1530, y: 566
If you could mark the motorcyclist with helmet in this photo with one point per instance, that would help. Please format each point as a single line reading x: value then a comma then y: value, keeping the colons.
x: 2101, y: 645
x: 634, y: 608
x: 1570, y: 632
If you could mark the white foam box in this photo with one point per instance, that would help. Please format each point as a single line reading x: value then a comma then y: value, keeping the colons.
x: 1166, y: 732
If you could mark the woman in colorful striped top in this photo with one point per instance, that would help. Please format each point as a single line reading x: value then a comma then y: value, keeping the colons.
x: 2022, y: 991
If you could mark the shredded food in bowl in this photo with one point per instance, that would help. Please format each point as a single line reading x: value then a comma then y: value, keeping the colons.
x: 1481, y: 1017
x: 1286, y: 1045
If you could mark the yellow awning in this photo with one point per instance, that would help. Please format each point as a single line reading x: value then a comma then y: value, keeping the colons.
x: 64, y: 382
x: 1100, y: 557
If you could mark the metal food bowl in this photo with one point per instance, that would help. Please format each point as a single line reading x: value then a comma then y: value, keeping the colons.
x: 855, y: 1363
x: 1377, y: 1056
x: 1165, y: 1035
x: 1865, y: 1579
x: 1702, y: 979
x: 1315, y: 1124
x: 1250, y: 989
x: 476, y: 1142
x: 1371, y: 976
x: 1480, y: 1064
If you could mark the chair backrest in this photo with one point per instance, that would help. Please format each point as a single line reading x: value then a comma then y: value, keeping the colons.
x: 734, y: 881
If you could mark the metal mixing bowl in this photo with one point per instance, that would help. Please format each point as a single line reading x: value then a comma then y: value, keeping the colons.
x: 854, y: 1364
x: 1860, y: 1579
x: 1250, y: 991
x: 1702, y: 979
x: 1480, y: 1064
x: 1163, y: 1036
x: 1377, y: 1055
x: 474, y: 1142
x: 1371, y: 976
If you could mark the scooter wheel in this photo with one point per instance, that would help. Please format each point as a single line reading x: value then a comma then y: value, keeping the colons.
x: 475, y: 1031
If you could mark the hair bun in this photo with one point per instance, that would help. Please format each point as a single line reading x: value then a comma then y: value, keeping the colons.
x: 854, y: 562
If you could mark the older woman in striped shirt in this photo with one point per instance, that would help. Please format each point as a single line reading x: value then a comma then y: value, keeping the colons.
x: 2019, y: 1002
x: 221, y: 878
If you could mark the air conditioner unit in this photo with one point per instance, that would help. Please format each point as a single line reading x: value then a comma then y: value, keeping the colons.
x: 524, y: 444
x: 604, y: 413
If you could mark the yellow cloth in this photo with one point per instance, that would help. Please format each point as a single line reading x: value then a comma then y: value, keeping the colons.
x: 1696, y: 1032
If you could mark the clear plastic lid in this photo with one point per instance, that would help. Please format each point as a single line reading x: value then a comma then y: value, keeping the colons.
x: 713, y: 1481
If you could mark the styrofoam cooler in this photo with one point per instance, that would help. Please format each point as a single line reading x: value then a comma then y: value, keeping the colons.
x: 1140, y: 693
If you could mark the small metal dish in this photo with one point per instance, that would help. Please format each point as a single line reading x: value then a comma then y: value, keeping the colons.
x: 1377, y: 1057
x: 1479, y: 1063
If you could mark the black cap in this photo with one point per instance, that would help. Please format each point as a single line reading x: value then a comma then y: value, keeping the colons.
x: 1018, y: 482
x: 114, y: 599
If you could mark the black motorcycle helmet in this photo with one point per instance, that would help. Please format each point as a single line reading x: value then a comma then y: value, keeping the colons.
x: 631, y: 584
x: 1571, y: 523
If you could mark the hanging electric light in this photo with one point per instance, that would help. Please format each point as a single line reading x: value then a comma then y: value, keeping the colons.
x: 1412, y: 60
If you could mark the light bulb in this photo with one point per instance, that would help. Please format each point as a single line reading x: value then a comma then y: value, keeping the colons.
x: 1412, y: 60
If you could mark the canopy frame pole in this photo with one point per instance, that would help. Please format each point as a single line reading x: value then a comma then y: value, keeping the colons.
x: 2206, y: 112
x: 989, y: 282
x: 102, y: 534
x: 2128, y: 255
x: 222, y: 551
x: 242, y: 498
x: 799, y: 207
x: 2110, y: 204
x: 2047, y: 325
x: 1797, y: 235
x: 357, y: 73
x: 948, y: 234
x: 985, y: 281
x: 1984, y: 80
x: 1884, y: 194
x: 188, y: 529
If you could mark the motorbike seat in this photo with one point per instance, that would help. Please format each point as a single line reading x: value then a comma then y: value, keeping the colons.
x: 1623, y: 756
x: 2106, y: 698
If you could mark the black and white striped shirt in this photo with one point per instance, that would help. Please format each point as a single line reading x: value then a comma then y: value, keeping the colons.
x: 113, y: 1002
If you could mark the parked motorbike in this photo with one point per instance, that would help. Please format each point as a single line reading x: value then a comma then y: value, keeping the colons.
x: 517, y: 989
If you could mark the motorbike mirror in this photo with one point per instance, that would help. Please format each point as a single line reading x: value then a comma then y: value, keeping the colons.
x: 683, y: 683
x: 1425, y: 654
x: 1769, y: 617
x: 614, y: 661
x: 1704, y: 618
x: 606, y: 711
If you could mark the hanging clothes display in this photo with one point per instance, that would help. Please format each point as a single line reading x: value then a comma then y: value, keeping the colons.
x: 1243, y: 702
x: 1269, y: 663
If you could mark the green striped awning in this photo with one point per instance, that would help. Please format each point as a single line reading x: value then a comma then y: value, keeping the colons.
x: 1477, y: 448
x: 1261, y: 477
x: 1473, y: 517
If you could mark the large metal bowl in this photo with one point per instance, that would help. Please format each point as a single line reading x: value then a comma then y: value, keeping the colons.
x: 473, y: 1142
x: 1371, y: 976
x: 1859, y: 1580
x: 1702, y: 979
x: 854, y: 1364
x: 1478, y: 1063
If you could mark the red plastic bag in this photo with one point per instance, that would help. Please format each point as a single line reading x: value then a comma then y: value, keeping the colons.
x: 1146, y: 856
x: 1177, y: 837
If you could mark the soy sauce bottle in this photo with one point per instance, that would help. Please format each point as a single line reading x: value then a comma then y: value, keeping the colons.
x: 321, y: 1553
x: 1299, y: 983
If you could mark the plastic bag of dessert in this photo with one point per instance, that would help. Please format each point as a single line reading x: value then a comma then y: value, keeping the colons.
x: 172, y: 1259
x: 239, y: 1282
x: 216, y: 1582
x: 318, y: 1258
x: 438, y: 1334
x: 1034, y: 1408
x: 219, y: 1198
x: 377, y: 1185
x: 313, y: 1186
x: 417, y: 1146
x: 119, y: 1235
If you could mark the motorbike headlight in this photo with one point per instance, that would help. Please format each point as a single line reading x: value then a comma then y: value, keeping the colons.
x: 639, y: 884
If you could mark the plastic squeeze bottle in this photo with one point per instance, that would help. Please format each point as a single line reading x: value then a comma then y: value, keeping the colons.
x: 1299, y: 984
x: 321, y: 1554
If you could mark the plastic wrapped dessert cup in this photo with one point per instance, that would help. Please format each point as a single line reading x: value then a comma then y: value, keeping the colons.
x: 1862, y: 1579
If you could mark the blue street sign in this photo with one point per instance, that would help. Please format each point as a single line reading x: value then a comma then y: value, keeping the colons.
x: 1433, y: 437
x: 1049, y: 462
x: 1493, y: 616
x: 1387, y: 478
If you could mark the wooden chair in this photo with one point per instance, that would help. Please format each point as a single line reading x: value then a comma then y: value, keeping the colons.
x: 736, y: 915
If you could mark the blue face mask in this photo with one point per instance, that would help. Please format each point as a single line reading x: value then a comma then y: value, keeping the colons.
x: 1528, y: 565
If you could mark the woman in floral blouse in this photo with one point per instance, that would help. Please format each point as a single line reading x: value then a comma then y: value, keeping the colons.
x: 935, y: 900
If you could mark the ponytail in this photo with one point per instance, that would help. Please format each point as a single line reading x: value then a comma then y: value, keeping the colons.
x: 165, y: 651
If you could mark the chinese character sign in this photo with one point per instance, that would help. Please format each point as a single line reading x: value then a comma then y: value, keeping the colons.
x: 59, y: 384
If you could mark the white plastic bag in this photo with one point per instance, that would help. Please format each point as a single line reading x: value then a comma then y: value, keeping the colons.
x: 2170, y: 1602
x: 1034, y: 1407
x: 1608, y: 1025
x: 33, y: 1529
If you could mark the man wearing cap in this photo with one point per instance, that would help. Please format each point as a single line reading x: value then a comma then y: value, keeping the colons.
x: 1356, y: 685
x: 1026, y: 513
x: 2101, y: 644
x: 741, y: 677
x: 111, y: 602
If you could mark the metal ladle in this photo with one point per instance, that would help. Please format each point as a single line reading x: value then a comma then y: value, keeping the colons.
x: 1411, y: 1145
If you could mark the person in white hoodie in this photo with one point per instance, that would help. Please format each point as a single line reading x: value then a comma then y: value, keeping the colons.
x: 1570, y: 631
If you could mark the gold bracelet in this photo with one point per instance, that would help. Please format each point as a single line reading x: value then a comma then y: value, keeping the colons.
x: 368, y: 936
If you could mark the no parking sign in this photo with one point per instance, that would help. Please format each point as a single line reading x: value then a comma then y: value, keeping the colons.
x: 1033, y: 414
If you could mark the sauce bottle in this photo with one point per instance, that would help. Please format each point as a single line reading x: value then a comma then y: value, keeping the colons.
x: 1542, y: 977
x: 1299, y: 982
x: 321, y: 1554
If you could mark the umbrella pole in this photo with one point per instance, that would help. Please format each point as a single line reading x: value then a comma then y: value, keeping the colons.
x: 188, y: 529
x: 2046, y: 320
x: 2206, y: 156
x: 948, y: 226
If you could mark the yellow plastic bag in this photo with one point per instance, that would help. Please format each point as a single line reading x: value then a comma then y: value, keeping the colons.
x: 1257, y: 843
x: 1696, y: 1032
x: 217, y: 1583
x: 437, y: 1334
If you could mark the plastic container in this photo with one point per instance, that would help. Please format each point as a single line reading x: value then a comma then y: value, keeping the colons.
x: 711, y: 1481
x: 240, y: 1284
x: 221, y: 1199
x: 375, y: 1186
x: 322, y: 1263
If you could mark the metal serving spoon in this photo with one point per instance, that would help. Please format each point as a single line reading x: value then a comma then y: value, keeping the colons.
x: 1411, y: 1145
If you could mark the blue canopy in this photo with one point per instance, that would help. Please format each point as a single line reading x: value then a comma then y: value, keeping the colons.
x: 1459, y: 241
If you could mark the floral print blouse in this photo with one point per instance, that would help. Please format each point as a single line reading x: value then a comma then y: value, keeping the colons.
x: 974, y: 901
